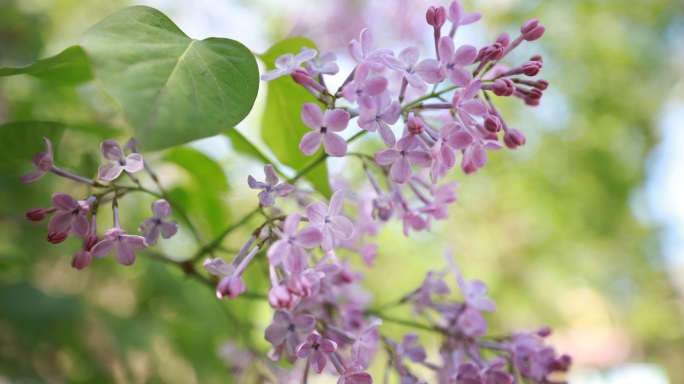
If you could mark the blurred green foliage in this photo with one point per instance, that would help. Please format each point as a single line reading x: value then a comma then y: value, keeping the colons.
x: 549, y: 226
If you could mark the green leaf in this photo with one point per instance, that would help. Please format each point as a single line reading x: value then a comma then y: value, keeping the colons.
x: 19, y: 141
x: 204, y: 169
x: 172, y: 88
x: 282, y: 127
x: 242, y: 145
x: 69, y: 67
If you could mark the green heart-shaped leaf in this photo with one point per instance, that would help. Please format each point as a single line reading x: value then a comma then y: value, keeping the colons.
x: 173, y: 89
x: 69, y: 67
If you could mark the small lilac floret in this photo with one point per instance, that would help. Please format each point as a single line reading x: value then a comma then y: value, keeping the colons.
x: 402, y: 158
x: 318, y: 349
x: 355, y: 375
x: 287, y: 63
x: 380, y: 116
x: 453, y: 61
x: 458, y: 16
x: 451, y: 138
x: 407, y: 64
x: 155, y: 225
x: 330, y: 221
x: 324, y: 126
x: 42, y: 161
x: 290, y: 248
x: 270, y: 188
x: 289, y: 329
x: 325, y: 64
x: 123, y: 245
x: 112, y: 151
x: 466, y: 106
x: 362, y: 88
x: 70, y: 215
x: 362, y: 51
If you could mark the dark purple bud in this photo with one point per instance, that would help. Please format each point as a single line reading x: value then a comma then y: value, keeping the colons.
x: 436, y: 16
x: 504, y: 39
x: 416, y: 125
x: 541, y: 84
x: 544, y: 332
x: 90, y: 241
x: 81, y: 259
x: 531, y: 102
x: 537, y: 58
x: 490, y: 52
x: 57, y: 237
x: 36, y: 214
x: 532, y: 68
x: 514, y: 138
x: 300, y: 76
x: 535, y: 94
x: 531, y: 30
x: 561, y: 364
x: 492, y: 123
x: 503, y: 87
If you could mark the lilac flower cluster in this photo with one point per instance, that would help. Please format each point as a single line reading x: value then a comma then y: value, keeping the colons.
x: 70, y: 216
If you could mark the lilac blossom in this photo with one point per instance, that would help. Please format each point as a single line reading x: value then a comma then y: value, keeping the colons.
x: 233, y: 285
x: 123, y: 245
x: 362, y: 88
x: 155, y: 225
x: 362, y: 51
x: 324, y: 126
x: 218, y: 267
x: 287, y: 63
x: 325, y: 64
x: 432, y: 284
x: 317, y: 349
x: 364, y: 346
x: 112, y: 151
x: 408, y: 348
x: 83, y: 256
x: 474, y: 156
x: 458, y: 16
x: 466, y: 106
x: 290, y: 248
x: 402, y: 158
x: 453, y: 61
x: 383, y: 113
x: 270, y: 187
x: 451, y: 137
x: 355, y: 375
x: 42, y: 162
x: 328, y: 219
x: 71, y: 214
x: 494, y: 373
x: 289, y: 329
x: 407, y: 64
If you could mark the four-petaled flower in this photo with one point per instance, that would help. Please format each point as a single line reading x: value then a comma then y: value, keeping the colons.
x: 380, y: 116
x: 116, y: 239
x: 42, y: 161
x: 409, y: 348
x: 328, y: 219
x: 361, y: 88
x: 155, y: 225
x: 362, y: 51
x: 112, y: 151
x: 287, y: 63
x: 290, y: 248
x: 407, y: 64
x: 318, y: 349
x: 270, y: 188
x: 458, y: 16
x: 402, y: 158
x: 289, y: 329
x: 323, y: 65
x: 324, y: 126
x: 70, y: 214
x: 451, y: 137
x: 453, y: 63
x: 466, y: 106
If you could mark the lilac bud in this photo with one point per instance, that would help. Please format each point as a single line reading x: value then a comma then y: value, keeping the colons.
x: 544, y: 332
x: 514, y: 138
x: 531, y: 102
x: 383, y: 207
x: 531, y: 30
x: 231, y: 286
x: 57, y: 237
x: 492, y: 123
x: 90, y: 241
x: 534, y: 94
x: 503, y: 87
x: 561, y: 364
x: 436, y: 16
x: 416, y: 125
x: 280, y: 297
x: 532, y: 68
x: 81, y: 259
x: 504, y: 39
x: 541, y: 84
x: 300, y: 75
x: 537, y: 58
x: 36, y: 214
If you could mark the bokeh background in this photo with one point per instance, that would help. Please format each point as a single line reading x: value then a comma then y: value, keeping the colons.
x: 582, y: 229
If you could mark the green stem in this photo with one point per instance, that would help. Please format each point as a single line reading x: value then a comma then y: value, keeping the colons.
x: 427, y: 97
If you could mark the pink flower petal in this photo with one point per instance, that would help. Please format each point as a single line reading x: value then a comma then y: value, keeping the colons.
x: 151, y: 234
x: 328, y: 239
x: 103, y: 248
x: 460, y: 76
x: 134, y: 162
x: 277, y: 251
x: 266, y: 198
x: 305, y: 55
x: 429, y: 70
x: 318, y: 361
x: 295, y: 260
x: 124, y: 253
x: 63, y: 202
x: 271, y: 175
x: 304, y: 323
x: 459, y: 140
x: 447, y: 156
x: 386, y: 156
x: 312, y: 116
x: 311, y: 142
x: 475, y: 107
x: 31, y: 177
x: 251, y: 181
x: 408, y: 143
x: 80, y: 226
x: 375, y: 86
x: 283, y: 189
x: 48, y: 147
x: 317, y: 212
x: 410, y: 56
x: 109, y: 171
x: 291, y: 224
x: 391, y: 114
x: 342, y: 227
x: 472, y: 89
x: 304, y: 350
x: 276, y: 334
x: 327, y: 346
x: 420, y: 158
x: 446, y: 49
x: 335, y: 120
x: 284, y: 61
x: 169, y: 229
x: 309, y: 237
x: 334, y: 145
x: 401, y: 170
x: 134, y: 241
x: 416, y: 353
x: 112, y: 151
x: 366, y: 37
x: 161, y: 209
x: 60, y: 221
x: 386, y: 134
x: 470, y: 18
x: 336, y: 203
x: 355, y: 50
x: 465, y: 55
x: 466, y: 118
x: 414, y: 80
x: 394, y: 63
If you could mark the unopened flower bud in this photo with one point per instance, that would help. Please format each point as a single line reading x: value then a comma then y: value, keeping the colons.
x: 504, y: 39
x: 514, y: 138
x: 535, y: 94
x: 231, y: 286
x: 537, y: 58
x: 492, y: 123
x: 436, y: 16
x: 532, y: 68
x: 57, y: 237
x: 531, y: 30
x: 544, y: 332
x: 503, y: 87
x: 300, y: 75
x: 36, y: 214
x: 90, y: 241
x: 81, y: 259
x: 280, y: 297
x: 531, y: 102
x: 541, y: 84
x: 383, y: 207
x: 416, y: 125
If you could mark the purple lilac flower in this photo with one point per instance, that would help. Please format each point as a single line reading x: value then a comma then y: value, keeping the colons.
x: 287, y: 63
x: 362, y: 51
x: 218, y: 267
x: 363, y: 349
x: 355, y: 375
x: 458, y: 16
x: 324, y: 126
x: 328, y: 219
x: 494, y: 373
x: 289, y: 329
x: 318, y: 349
x: 468, y: 373
x: 155, y: 225
x: 42, y: 161
x: 451, y: 137
x: 474, y: 156
x: 453, y: 62
x: 83, y: 256
x: 290, y: 248
x: 407, y: 64
x: 410, y: 349
x: 112, y: 151
x: 325, y: 64
x: 270, y: 188
x: 432, y: 284
x: 361, y: 88
x: 380, y: 116
x: 402, y: 158
x: 466, y: 106
x: 123, y: 245
x: 71, y: 214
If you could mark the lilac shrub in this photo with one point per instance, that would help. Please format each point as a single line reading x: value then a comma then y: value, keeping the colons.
x: 321, y: 315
